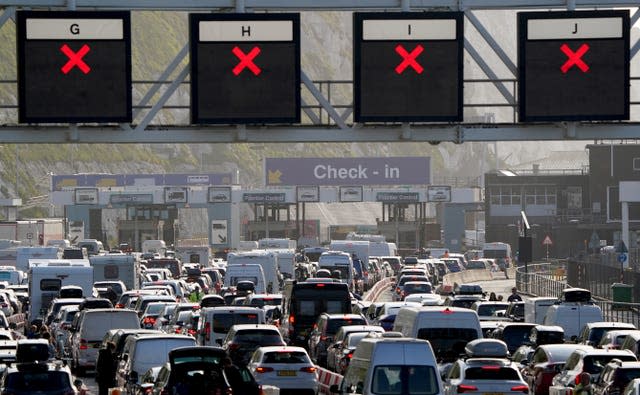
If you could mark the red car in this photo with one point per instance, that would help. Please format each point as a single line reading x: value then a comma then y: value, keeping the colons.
x: 547, y: 361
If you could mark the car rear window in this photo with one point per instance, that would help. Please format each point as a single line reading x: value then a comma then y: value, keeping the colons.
x: 491, y: 372
x: 334, y: 325
x: 595, y: 363
x: 37, y: 381
x: 286, y: 357
x: 258, y: 336
x: 223, y: 322
x: 405, y: 380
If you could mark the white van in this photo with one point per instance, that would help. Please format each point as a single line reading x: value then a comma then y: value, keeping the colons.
x: 142, y: 352
x: 92, y: 326
x: 392, y: 366
x: 246, y: 272
x: 286, y: 262
x: 447, y: 328
x: 266, y: 259
x: 338, y: 260
x: 112, y: 267
x: 572, y: 317
x: 572, y: 310
x: 215, y: 322
x: 536, y: 308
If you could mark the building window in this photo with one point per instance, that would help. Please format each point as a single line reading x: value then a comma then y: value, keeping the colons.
x: 574, y: 198
x: 505, y: 196
x: 636, y: 164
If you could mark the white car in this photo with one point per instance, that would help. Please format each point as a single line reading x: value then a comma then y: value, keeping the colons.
x: 285, y: 367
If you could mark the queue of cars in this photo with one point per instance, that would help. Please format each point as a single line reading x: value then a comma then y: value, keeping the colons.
x: 418, y: 343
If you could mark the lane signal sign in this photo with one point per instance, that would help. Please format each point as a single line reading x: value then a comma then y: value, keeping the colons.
x: 246, y: 61
x: 574, y: 58
x: 409, y: 59
x: 75, y: 59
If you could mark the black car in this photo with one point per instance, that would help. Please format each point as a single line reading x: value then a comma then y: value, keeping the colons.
x: 38, y: 378
x: 200, y: 370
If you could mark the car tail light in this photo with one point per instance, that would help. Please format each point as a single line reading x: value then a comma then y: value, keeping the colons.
x: 149, y: 320
x: 520, y: 388
x: 292, y: 319
x: 178, y: 330
x: 491, y: 367
x: 83, y: 344
x: 119, y: 306
x: 207, y: 331
x: 263, y: 369
x: 462, y: 388
x: 191, y: 332
x: 397, y: 290
x: 233, y: 346
x: 308, y: 369
x: 350, y: 355
x: 323, y: 338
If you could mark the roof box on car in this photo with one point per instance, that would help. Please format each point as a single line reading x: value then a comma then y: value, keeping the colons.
x: 486, y: 348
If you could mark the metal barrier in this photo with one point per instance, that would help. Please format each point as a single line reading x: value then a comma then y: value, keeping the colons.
x: 326, y: 379
x: 18, y: 319
x: 541, y: 280
x: 377, y: 289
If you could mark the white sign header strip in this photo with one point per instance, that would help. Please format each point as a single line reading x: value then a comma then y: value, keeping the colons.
x: 574, y: 28
x: 74, y: 29
x: 245, y: 31
x: 409, y: 29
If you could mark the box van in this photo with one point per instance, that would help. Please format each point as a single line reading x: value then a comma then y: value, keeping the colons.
x: 245, y: 272
x: 215, y: 322
x: 270, y: 244
x: 391, y: 366
x: 536, y: 308
x: 286, y: 262
x: 142, y: 352
x: 23, y: 254
x: 266, y: 259
x: 448, y: 329
x: 338, y: 260
x: 91, y: 327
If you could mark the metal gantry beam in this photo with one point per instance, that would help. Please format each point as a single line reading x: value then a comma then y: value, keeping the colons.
x: 337, y: 129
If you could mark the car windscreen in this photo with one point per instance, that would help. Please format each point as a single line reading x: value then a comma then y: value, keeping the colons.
x: 261, y: 302
x: 258, y: 336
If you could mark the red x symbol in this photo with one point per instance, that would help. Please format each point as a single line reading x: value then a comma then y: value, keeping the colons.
x: 409, y: 59
x: 574, y: 58
x: 246, y: 60
x: 75, y: 59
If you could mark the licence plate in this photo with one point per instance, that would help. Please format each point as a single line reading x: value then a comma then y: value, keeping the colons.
x: 287, y: 373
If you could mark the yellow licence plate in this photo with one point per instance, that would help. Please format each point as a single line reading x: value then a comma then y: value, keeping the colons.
x: 287, y: 373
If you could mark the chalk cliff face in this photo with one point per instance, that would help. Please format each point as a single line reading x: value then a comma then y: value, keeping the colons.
x: 326, y: 43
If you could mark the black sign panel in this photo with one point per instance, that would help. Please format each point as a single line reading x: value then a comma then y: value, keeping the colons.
x: 408, y: 67
x: 74, y: 66
x: 573, y: 66
x: 245, y: 68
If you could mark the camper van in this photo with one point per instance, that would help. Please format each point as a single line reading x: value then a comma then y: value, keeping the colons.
x: 47, y: 276
x: 154, y: 247
x: 536, y: 308
x: 271, y: 244
x: 25, y: 253
x: 572, y: 311
x: 113, y: 267
x: 195, y: 254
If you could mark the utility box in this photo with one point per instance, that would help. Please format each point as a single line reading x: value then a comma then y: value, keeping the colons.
x: 621, y: 293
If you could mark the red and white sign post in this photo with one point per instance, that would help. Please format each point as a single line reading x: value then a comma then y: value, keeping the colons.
x: 547, y: 242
